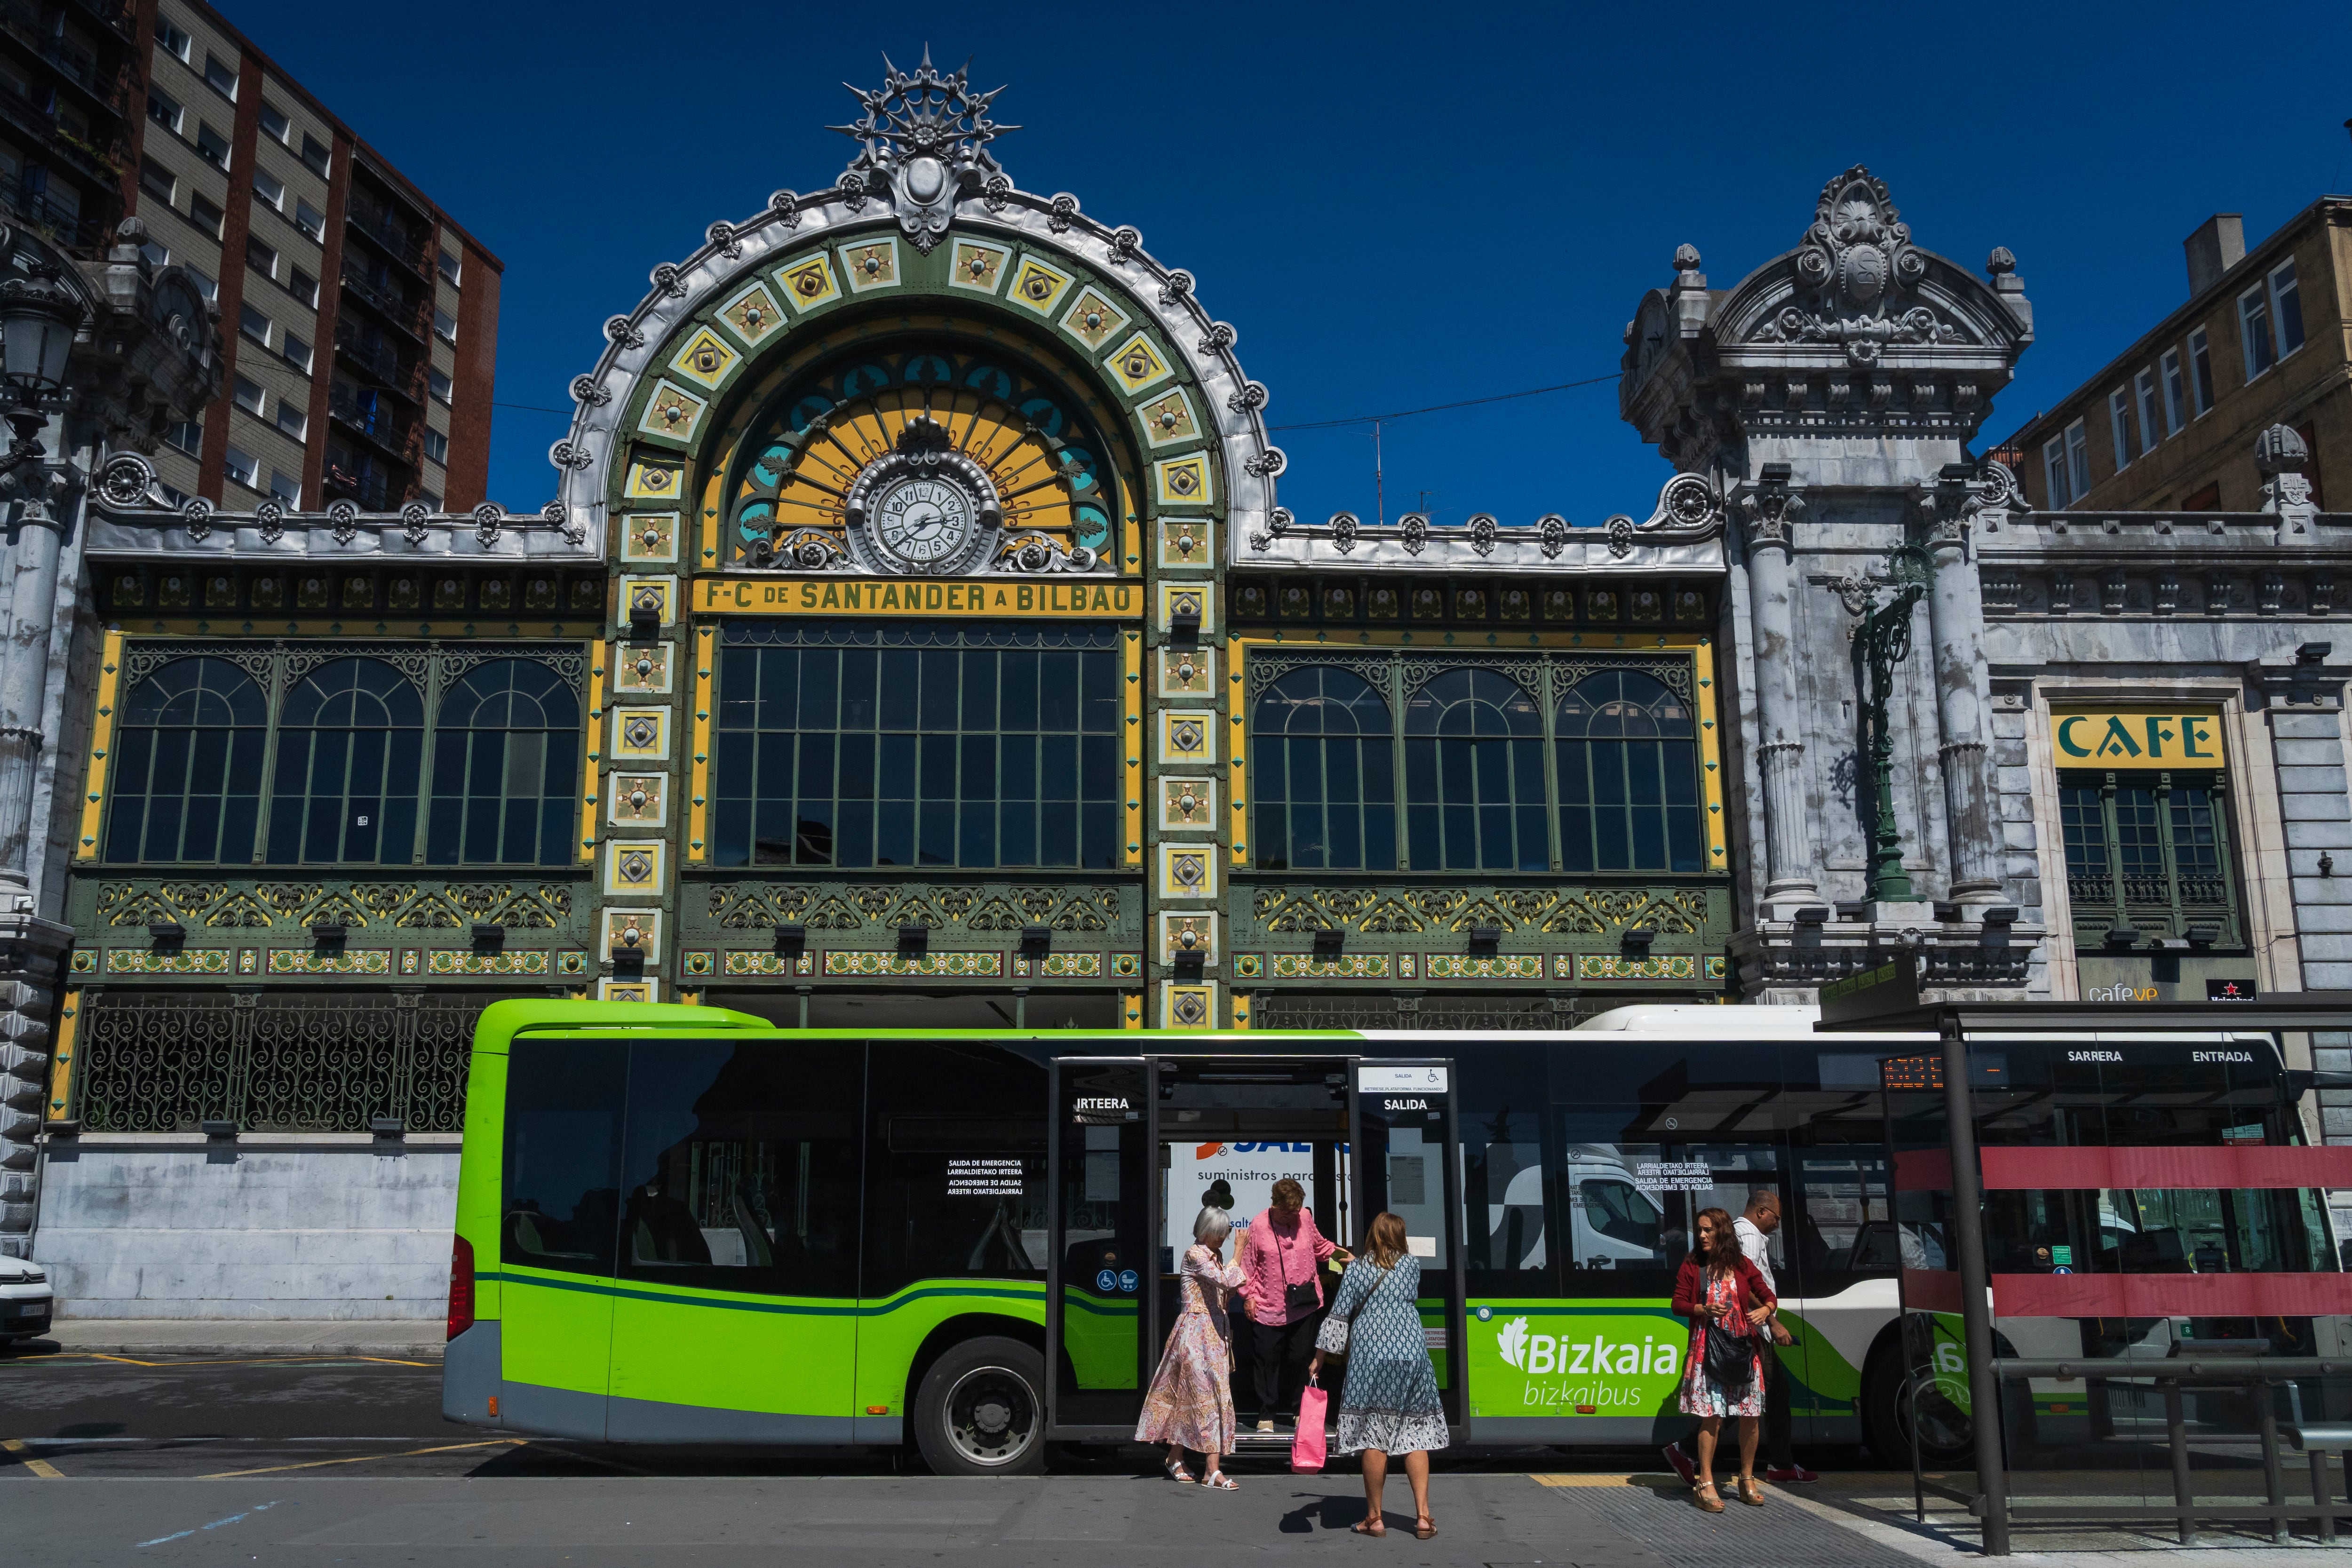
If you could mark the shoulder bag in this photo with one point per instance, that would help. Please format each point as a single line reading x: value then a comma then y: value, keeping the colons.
x: 1730, y: 1358
x: 1299, y: 1299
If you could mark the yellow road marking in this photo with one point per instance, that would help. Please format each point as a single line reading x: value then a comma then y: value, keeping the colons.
x: 363, y: 1458
x: 1582, y: 1479
x: 259, y: 1361
x: 40, y: 1467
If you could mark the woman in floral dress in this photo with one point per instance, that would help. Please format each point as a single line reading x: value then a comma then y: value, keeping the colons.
x: 1190, y: 1402
x: 1390, y: 1404
x: 1717, y: 1285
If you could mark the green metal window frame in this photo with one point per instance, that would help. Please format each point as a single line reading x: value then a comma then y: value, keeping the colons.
x: 506, y: 757
x: 192, y: 741
x: 299, y: 778
x: 881, y: 746
x: 1491, y: 798
x: 2149, y: 851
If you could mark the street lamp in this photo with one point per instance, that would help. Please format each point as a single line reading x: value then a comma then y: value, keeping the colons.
x: 38, y: 322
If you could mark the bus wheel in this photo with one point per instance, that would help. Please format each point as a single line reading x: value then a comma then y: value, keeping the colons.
x: 981, y: 1410
x: 1887, y: 1419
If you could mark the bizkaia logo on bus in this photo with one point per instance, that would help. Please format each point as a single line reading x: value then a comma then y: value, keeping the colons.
x: 1595, y: 1359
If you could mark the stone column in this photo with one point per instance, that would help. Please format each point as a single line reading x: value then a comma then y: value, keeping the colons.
x: 1771, y: 511
x: 1956, y: 624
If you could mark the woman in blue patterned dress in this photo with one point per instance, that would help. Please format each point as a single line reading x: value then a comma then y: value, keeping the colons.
x: 1390, y: 1404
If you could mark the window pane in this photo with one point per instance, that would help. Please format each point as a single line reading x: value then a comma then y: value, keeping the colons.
x: 562, y: 1154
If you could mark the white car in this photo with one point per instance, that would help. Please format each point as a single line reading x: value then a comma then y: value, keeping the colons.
x: 25, y: 1300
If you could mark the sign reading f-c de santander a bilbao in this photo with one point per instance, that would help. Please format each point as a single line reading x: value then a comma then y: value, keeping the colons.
x: 917, y: 596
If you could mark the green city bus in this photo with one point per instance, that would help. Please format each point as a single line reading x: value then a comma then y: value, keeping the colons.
x: 681, y: 1224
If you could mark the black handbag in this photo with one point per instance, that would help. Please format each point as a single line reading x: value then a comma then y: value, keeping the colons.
x: 1299, y: 1299
x: 1730, y: 1362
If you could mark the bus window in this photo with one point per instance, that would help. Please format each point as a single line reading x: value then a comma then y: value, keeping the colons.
x: 956, y: 1165
x: 562, y: 1154
x: 741, y: 1171
x: 1509, y: 1246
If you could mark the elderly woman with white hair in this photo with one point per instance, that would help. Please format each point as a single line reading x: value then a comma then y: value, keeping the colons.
x: 1190, y: 1403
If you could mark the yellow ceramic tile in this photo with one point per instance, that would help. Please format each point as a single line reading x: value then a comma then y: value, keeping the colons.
x: 708, y: 359
x: 1183, y: 481
x: 1035, y: 286
x: 1139, y: 364
x: 808, y: 282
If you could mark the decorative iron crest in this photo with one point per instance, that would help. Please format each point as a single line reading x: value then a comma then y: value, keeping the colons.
x: 924, y: 139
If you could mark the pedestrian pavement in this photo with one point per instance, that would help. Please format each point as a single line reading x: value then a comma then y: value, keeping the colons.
x: 409, y: 1339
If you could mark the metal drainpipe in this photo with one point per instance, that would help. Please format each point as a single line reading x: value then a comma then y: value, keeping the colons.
x: 1976, y: 1307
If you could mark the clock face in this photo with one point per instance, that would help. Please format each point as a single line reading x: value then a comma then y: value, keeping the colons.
x: 923, y: 520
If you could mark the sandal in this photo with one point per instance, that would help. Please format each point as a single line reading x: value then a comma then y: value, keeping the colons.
x: 1176, y: 1472
x: 1703, y: 1494
x: 1750, y: 1492
x: 1367, y: 1527
x: 1424, y: 1527
x: 1218, y: 1481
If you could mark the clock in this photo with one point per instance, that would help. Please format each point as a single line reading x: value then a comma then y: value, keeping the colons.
x: 922, y: 520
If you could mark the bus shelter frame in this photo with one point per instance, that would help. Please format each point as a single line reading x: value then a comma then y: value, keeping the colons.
x: 1886, y: 998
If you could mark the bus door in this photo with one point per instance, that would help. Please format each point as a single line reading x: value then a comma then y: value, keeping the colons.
x: 1407, y: 1163
x: 1099, y: 1273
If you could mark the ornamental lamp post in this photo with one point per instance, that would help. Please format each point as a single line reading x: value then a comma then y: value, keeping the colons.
x: 38, y: 319
x: 1882, y: 641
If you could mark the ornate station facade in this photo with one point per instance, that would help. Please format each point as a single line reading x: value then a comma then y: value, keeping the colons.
x: 915, y: 637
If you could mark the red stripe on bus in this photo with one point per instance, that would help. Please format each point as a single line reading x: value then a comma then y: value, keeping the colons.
x: 2139, y: 1295
x: 2224, y: 1167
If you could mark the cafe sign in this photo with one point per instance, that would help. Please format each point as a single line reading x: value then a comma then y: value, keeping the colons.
x: 2137, y: 738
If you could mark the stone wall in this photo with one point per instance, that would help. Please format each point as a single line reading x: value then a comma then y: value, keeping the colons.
x: 272, y: 1226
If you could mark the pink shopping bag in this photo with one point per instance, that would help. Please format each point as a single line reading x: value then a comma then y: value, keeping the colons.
x: 1307, y: 1447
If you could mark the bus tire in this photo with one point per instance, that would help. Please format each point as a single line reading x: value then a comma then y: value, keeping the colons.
x: 981, y: 1410
x: 1949, y: 1439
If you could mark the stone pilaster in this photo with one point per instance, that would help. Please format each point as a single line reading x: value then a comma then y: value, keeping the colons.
x: 1770, y: 510
x: 1955, y: 626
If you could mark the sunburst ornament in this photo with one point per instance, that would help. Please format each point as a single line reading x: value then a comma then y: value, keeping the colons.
x: 924, y: 139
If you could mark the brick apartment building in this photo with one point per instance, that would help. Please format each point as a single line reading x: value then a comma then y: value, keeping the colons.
x: 360, y: 322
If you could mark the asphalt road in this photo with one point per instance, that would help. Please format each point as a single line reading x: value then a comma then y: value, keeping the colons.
x: 345, y: 1460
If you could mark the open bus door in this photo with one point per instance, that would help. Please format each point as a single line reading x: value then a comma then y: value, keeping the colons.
x: 1101, y: 1339
x: 1407, y: 1163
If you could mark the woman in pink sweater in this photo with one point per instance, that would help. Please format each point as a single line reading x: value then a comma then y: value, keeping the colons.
x: 1283, y: 1260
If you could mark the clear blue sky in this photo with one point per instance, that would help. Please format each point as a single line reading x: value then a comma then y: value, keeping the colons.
x: 1395, y: 206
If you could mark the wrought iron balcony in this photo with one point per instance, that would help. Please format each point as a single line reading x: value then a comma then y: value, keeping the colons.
x: 384, y: 227
x: 378, y: 359
x: 392, y: 305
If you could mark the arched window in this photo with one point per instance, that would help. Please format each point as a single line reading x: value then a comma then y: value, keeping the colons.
x: 1323, y: 778
x: 348, y: 744
x: 1629, y: 784
x: 506, y: 761
x: 1474, y: 778
x: 187, y: 770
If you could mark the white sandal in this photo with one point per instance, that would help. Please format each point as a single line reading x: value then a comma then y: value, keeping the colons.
x: 1176, y: 1472
x: 1218, y: 1481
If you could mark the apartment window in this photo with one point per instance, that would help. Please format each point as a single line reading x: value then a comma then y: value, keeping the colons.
x: 2054, y: 471
x: 302, y: 286
x: 205, y: 285
x: 156, y: 255
x: 297, y: 351
x: 2176, y: 394
x: 437, y: 446
x: 315, y: 154
x: 2119, y: 427
x: 173, y: 39
x: 212, y: 146
x: 249, y: 396
x: 261, y: 257
x: 2286, y: 310
x: 188, y: 436
x: 2149, y: 431
x: 2254, y: 331
x: 270, y: 189
x: 285, y: 488
x: 156, y: 180
x: 292, y: 420
x: 223, y: 77
x: 244, y: 469
x: 449, y: 267
x: 2200, y: 370
x: 309, y: 220
x: 254, y: 325
x: 432, y: 502
x: 173, y: 497
x: 440, y: 385
x: 204, y: 215
x: 446, y: 326
x: 2078, y: 458
x: 274, y: 123
x: 164, y: 110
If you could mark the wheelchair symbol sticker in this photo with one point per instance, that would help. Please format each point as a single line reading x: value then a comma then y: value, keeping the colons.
x: 1107, y: 1282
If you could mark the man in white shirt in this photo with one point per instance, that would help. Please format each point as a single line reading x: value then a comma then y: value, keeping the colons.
x: 1754, y: 1228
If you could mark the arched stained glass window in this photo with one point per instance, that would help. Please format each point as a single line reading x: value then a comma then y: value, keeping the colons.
x: 186, y: 771
x: 1474, y: 775
x: 1629, y: 779
x: 1323, y: 778
x: 506, y: 761
x: 349, y: 742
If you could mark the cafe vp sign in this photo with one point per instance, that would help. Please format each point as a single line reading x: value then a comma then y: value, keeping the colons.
x: 2137, y: 738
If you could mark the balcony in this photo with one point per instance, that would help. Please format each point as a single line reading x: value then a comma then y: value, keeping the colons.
x: 114, y: 15
x: 72, y: 230
x: 378, y: 359
x: 101, y: 82
x: 387, y: 229
x: 388, y: 303
x: 366, y: 414
x: 372, y: 488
